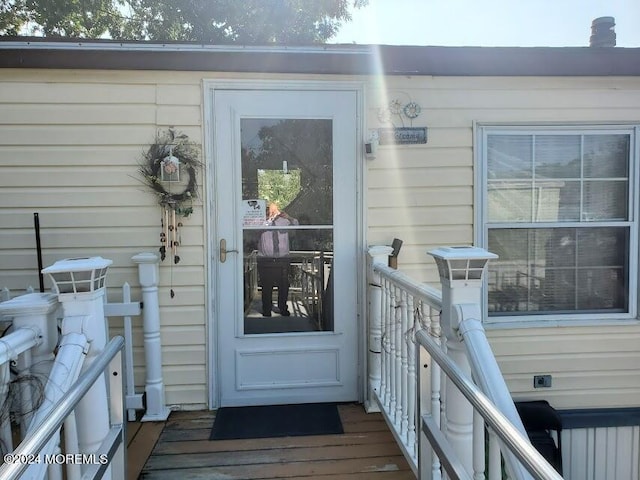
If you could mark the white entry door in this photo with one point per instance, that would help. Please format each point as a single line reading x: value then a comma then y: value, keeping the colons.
x: 285, y: 253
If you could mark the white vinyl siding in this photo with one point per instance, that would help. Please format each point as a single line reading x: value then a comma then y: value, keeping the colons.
x: 70, y: 144
x: 88, y: 129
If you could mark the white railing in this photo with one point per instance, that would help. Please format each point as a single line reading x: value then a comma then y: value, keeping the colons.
x: 15, y: 350
x: 126, y: 310
x: 436, y: 427
x: 26, y: 355
x: 5, y: 293
x: 35, y: 452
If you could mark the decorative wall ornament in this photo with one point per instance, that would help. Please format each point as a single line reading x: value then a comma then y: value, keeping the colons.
x: 171, y: 154
x: 399, y: 110
x: 401, y: 134
x: 170, y: 169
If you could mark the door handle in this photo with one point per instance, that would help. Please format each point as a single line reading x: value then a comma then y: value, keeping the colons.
x: 224, y: 251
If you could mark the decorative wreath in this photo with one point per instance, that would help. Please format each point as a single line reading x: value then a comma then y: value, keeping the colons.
x: 170, y: 151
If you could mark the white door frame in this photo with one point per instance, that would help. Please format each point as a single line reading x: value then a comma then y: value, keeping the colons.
x: 209, y: 88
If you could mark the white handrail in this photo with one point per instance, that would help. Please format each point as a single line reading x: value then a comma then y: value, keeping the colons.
x: 409, y: 310
x: 16, y: 346
x: 508, y: 433
x: 41, y: 435
x: 18, y: 342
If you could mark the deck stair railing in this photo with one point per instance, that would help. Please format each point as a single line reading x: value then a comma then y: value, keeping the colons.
x: 425, y: 346
x: 26, y: 356
x: 93, y: 423
x: 29, y: 460
x: 152, y: 401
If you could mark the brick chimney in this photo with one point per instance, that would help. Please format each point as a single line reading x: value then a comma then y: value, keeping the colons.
x: 602, y: 32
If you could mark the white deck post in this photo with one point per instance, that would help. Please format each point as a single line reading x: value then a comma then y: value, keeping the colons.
x: 81, y: 289
x: 378, y: 254
x: 460, y: 270
x: 148, y: 275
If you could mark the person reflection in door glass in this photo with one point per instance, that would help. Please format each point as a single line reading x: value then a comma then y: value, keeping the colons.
x: 273, y: 260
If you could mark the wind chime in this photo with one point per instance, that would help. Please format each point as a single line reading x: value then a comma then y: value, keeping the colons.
x: 169, y: 236
x: 170, y: 155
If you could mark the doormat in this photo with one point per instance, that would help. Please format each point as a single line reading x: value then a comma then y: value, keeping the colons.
x: 276, y: 421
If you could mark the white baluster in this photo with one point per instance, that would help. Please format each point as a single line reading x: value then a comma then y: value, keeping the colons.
x: 478, y: 446
x: 404, y: 375
x: 73, y: 471
x: 388, y: 336
x: 23, y: 366
x: 437, y: 407
x: 393, y: 343
x: 495, y: 457
x: 411, y: 381
x: 384, y: 357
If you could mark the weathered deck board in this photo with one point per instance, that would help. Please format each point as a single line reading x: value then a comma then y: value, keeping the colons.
x: 141, y: 438
x: 366, y: 450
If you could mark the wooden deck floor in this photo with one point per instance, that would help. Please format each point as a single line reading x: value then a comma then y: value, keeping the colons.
x: 183, y: 450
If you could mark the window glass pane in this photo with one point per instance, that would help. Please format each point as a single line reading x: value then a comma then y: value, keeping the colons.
x: 606, y: 156
x: 557, y: 156
x: 602, y: 289
x: 509, y: 156
x: 603, y: 246
x: 509, y: 201
x: 557, y: 201
x: 605, y: 200
x: 569, y: 206
x: 558, y: 270
x: 512, y: 286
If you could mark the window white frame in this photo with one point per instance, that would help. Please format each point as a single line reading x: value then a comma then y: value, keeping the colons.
x: 481, y: 133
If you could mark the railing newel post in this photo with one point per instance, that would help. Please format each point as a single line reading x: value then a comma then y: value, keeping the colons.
x: 377, y: 255
x: 460, y: 271
x: 148, y: 275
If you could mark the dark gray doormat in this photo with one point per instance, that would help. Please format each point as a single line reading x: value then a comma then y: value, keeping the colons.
x: 276, y: 421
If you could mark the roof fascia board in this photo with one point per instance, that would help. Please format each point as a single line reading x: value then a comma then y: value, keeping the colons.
x: 325, y: 59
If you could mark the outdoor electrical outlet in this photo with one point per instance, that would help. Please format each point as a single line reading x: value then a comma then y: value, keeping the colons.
x: 541, y: 381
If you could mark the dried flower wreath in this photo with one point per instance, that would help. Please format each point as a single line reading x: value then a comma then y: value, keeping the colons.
x: 170, y: 151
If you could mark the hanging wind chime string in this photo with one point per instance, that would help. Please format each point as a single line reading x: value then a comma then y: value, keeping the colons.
x: 172, y: 158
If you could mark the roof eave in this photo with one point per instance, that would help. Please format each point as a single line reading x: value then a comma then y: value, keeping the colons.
x: 325, y: 59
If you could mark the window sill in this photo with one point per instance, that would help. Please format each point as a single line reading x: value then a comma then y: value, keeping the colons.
x: 552, y: 323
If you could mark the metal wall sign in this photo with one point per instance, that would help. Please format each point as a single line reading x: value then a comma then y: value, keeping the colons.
x: 402, y: 135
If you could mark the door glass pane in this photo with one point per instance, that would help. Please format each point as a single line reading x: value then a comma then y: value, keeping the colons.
x: 287, y: 222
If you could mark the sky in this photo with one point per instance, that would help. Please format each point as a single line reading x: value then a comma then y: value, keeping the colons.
x: 513, y: 23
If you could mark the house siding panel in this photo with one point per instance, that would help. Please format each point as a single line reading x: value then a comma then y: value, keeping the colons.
x: 70, y: 146
x: 601, y: 453
x: 592, y: 366
x: 88, y: 129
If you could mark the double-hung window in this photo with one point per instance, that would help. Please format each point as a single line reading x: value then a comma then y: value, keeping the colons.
x: 559, y: 208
